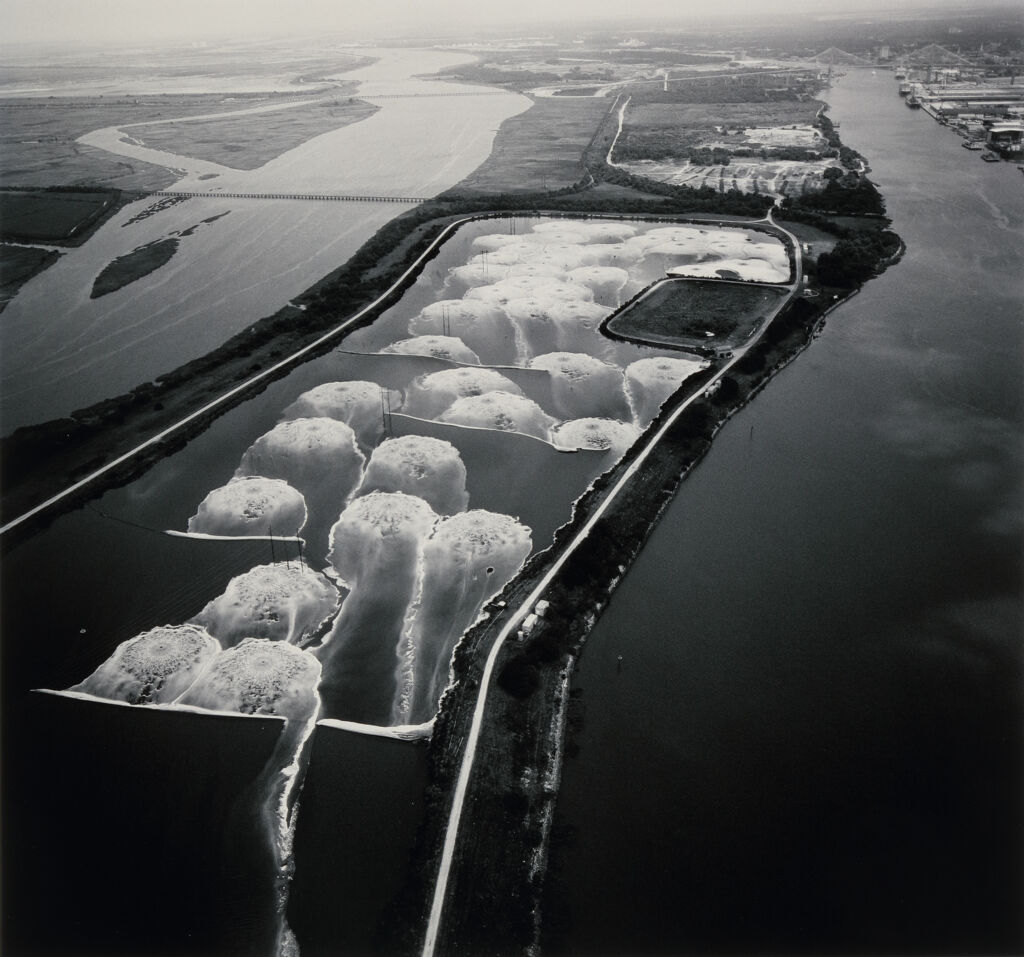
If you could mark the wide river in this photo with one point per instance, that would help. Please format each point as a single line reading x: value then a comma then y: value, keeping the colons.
x: 811, y: 743
x: 61, y: 350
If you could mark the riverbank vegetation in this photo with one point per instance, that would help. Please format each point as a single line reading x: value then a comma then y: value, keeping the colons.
x: 136, y: 264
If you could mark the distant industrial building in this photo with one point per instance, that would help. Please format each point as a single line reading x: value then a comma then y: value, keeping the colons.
x: 1005, y: 137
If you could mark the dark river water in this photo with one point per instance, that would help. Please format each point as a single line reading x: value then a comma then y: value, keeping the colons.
x: 812, y: 741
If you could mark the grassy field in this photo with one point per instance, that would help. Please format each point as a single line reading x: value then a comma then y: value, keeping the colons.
x: 246, y: 142
x: 38, y: 137
x: 539, y: 149
x: 138, y: 263
x: 42, y: 215
x: 685, y: 311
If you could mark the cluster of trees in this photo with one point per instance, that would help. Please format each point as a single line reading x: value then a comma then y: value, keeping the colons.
x: 849, y: 195
x: 856, y: 258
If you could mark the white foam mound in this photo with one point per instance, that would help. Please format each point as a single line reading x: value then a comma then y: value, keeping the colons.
x: 468, y: 560
x: 582, y: 384
x: 540, y: 269
x: 258, y: 677
x: 153, y: 668
x: 587, y: 315
x: 503, y: 411
x: 280, y: 602
x: 651, y: 381
x: 595, y: 433
x: 440, y: 347
x: 575, y: 366
x: 478, y: 272
x: 375, y: 522
x: 494, y: 241
x: 429, y: 468
x: 520, y: 251
x: 482, y: 326
x: 621, y: 254
x: 682, y: 240
x: 457, y: 312
x: 604, y: 232
x: 251, y: 506
x: 429, y: 395
x: 557, y: 234
x: 311, y: 454
x: 540, y: 287
x: 606, y: 282
x: 357, y: 403
x: 476, y: 537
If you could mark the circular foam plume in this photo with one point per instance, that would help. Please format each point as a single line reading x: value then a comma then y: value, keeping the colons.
x: 596, y: 434
x: 440, y: 347
x: 520, y: 251
x: 604, y: 232
x: 622, y: 254
x: 357, y: 404
x: 585, y: 314
x: 557, y: 234
x: 429, y: 395
x: 494, y: 241
x: 477, y: 536
x: 482, y: 326
x: 314, y: 455
x: 429, y: 468
x: 478, y: 272
x: 538, y: 269
x: 651, y: 381
x: 568, y: 255
x: 540, y: 287
x: 606, y: 282
x: 574, y: 366
x: 544, y: 325
x: 502, y: 411
x: 375, y: 522
x: 251, y: 506
x: 259, y: 677
x: 279, y: 602
x: 153, y: 668
x: 583, y: 385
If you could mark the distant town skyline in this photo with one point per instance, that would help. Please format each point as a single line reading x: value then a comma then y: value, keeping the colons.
x: 129, y: 21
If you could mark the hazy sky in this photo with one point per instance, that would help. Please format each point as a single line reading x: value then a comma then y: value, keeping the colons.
x: 123, y: 21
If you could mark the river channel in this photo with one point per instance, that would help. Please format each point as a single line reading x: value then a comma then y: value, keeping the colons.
x: 238, y: 259
x: 800, y: 713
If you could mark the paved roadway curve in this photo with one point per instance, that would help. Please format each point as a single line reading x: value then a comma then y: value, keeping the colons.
x: 472, y: 739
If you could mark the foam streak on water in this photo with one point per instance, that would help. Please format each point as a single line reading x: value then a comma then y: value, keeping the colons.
x: 376, y: 546
x: 468, y: 560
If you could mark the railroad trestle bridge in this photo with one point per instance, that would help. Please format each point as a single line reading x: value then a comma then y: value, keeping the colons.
x: 314, y: 197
